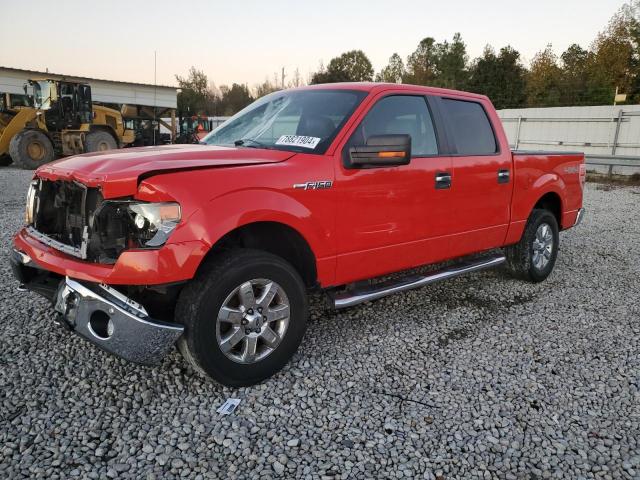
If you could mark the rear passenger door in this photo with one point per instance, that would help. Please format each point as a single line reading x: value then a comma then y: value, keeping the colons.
x: 481, y: 183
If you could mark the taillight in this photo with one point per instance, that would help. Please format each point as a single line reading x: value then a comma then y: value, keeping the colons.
x: 583, y: 174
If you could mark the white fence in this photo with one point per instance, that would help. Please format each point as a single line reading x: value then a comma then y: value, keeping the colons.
x: 608, y: 135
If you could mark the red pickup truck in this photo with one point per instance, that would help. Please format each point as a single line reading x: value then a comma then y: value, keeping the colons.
x: 215, y: 246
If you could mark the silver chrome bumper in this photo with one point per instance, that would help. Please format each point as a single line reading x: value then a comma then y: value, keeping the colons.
x: 114, y: 322
x: 579, y: 217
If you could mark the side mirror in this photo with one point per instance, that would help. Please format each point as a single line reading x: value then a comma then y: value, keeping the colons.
x: 381, y: 151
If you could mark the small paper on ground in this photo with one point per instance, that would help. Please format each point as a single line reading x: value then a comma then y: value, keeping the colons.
x: 229, y: 406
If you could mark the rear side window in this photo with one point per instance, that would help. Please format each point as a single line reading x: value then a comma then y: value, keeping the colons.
x: 471, y: 129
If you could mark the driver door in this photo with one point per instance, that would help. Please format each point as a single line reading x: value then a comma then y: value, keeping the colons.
x: 392, y: 218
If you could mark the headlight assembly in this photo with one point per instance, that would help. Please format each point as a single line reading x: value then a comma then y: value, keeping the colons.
x: 31, y: 203
x: 123, y: 224
x: 153, y: 222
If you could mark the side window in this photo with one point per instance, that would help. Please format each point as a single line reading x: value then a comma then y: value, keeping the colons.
x: 471, y: 129
x: 400, y: 114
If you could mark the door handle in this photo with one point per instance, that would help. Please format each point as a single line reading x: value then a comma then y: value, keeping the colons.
x: 503, y: 176
x: 443, y: 180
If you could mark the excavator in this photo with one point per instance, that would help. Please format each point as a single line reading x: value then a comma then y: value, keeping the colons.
x: 62, y: 121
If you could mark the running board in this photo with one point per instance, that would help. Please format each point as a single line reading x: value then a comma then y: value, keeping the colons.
x: 349, y: 298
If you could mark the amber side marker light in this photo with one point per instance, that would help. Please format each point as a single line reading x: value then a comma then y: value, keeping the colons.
x: 391, y: 154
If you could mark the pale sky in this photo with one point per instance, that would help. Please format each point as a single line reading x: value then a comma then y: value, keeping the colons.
x: 247, y: 41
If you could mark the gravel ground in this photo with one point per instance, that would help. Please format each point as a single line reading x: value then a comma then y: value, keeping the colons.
x: 480, y: 377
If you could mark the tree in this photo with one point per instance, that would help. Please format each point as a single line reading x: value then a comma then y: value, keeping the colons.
x: 422, y: 64
x: 631, y: 12
x: 438, y: 64
x: 352, y: 66
x: 393, y: 72
x: 235, y: 98
x: 265, y: 88
x: 575, y: 63
x: 194, y: 94
x: 452, y: 63
x: 544, y: 80
x: 615, y: 60
x: 500, y: 77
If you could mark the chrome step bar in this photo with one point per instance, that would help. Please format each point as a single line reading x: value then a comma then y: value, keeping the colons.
x: 349, y: 298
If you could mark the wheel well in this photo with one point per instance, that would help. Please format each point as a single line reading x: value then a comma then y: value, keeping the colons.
x: 278, y: 239
x: 551, y: 202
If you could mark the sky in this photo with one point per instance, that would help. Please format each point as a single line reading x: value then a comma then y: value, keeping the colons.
x: 249, y: 41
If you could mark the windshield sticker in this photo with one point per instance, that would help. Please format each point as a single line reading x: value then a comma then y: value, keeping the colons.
x: 299, y: 141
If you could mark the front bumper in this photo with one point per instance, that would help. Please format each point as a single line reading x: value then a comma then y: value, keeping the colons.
x: 101, y: 314
x: 175, y: 262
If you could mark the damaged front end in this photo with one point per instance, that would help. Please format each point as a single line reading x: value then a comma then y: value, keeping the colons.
x: 76, y: 220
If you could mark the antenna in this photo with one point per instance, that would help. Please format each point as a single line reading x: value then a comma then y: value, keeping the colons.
x: 155, y: 92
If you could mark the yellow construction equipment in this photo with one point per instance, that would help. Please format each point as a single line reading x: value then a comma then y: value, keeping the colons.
x: 62, y: 121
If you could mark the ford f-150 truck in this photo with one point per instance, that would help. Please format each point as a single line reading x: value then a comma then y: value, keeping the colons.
x: 215, y: 246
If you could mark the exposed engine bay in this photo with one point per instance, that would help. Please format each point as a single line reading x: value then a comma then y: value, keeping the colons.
x: 78, y: 221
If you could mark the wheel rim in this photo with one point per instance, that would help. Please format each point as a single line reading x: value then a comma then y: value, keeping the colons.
x: 542, y: 246
x: 102, y: 146
x: 252, y: 321
x: 35, y: 150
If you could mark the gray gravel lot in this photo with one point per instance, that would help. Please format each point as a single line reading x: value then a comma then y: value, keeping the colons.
x: 480, y: 377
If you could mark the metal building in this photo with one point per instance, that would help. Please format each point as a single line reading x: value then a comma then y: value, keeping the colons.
x: 141, y: 99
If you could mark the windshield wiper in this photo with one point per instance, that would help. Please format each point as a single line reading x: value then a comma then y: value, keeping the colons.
x: 256, y: 144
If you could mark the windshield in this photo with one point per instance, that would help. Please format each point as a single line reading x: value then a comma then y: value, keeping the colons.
x: 42, y: 94
x: 298, y: 120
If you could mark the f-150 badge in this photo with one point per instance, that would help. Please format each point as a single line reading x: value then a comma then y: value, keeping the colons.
x: 321, y: 185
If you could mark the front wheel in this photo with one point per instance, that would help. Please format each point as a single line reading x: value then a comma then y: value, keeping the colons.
x: 244, y: 314
x: 534, y: 256
x: 30, y: 149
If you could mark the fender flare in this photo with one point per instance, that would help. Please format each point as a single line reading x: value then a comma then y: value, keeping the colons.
x: 240, y: 209
x: 545, y: 184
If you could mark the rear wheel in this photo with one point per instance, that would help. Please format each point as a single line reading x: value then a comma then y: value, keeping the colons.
x: 30, y: 149
x: 99, y: 141
x: 534, y: 256
x: 244, y: 316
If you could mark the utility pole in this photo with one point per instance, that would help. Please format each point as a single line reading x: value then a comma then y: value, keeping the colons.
x: 283, y: 78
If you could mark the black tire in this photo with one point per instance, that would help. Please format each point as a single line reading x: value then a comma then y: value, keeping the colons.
x: 520, y: 257
x: 30, y: 149
x: 201, y: 300
x: 99, y: 141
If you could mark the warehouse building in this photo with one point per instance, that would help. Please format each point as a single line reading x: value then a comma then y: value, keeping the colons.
x: 137, y: 101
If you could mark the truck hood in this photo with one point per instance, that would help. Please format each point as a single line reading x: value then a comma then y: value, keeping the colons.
x: 118, y: 172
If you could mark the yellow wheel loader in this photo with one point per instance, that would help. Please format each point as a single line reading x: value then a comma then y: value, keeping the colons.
x: 63, y: 121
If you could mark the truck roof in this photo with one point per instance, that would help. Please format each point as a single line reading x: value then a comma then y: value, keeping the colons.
x: 379, y: 86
